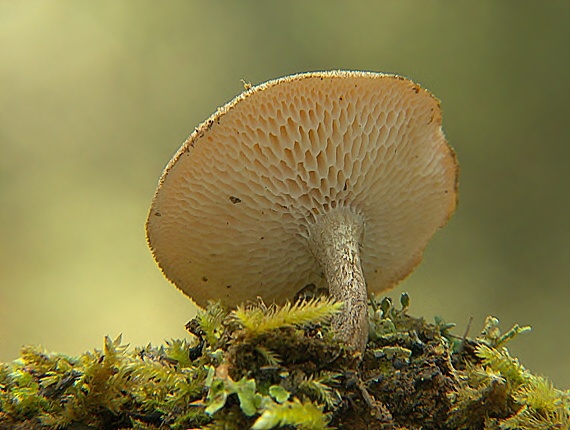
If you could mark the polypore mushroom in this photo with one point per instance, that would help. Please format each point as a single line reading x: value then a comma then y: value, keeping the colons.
x: 332, y: 177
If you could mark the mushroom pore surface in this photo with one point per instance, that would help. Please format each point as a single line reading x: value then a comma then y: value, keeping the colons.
x: 232, y: 214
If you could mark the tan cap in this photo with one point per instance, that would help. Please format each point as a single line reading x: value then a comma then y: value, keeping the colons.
x: 232, y: 211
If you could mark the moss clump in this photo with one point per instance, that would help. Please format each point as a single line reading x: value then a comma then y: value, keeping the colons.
x: 279, y: 367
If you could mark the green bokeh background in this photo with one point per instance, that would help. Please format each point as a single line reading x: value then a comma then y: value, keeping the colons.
x: 95, y: 97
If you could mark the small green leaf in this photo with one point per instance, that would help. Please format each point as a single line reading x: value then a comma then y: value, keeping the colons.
x: 178, y: 350
x: 217, y: 397
x: 210, y: 377
x: 217, y: 403
x: 249, y: 401
x: 279, y: 393
x: 304, y: 415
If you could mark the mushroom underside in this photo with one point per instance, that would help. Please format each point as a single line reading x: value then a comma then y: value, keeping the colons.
x: 341, y: 174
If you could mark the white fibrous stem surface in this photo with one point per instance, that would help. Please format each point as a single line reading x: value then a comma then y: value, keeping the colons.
x: 334, y: 239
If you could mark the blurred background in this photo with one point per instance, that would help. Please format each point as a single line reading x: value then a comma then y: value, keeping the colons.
x: 95, y: 97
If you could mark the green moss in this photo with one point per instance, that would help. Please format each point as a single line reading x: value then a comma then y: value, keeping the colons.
x: 256, y: 320
x: 279, y: 367
x: 499, y: 393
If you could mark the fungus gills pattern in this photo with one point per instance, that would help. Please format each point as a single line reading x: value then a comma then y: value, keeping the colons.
x: 290, y: 151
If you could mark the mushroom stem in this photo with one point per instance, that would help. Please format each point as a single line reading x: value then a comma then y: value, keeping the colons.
x: 334, y: 240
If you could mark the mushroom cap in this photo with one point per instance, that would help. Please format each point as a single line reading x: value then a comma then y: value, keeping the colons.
x: 230, y: 215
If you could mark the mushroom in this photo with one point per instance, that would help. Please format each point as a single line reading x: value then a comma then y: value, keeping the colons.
x: 325, y: 178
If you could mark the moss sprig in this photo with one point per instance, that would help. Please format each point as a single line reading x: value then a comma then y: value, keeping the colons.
x: 301, y: 415
x: 258, y: 319
x: 321, y: 386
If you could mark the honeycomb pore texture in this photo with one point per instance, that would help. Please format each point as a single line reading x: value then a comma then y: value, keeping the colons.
x: 229, y: 219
